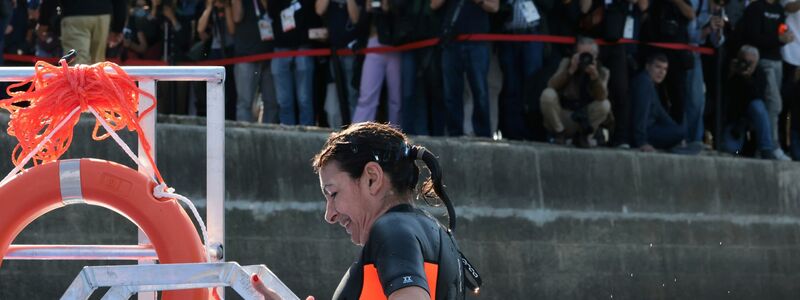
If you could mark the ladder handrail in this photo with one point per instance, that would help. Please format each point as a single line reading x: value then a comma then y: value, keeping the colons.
x: 124, y: 281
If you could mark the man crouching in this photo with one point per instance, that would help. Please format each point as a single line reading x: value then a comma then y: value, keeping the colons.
x: 576, y: 100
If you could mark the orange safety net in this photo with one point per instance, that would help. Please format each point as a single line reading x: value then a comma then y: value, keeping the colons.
x: 55, y: 91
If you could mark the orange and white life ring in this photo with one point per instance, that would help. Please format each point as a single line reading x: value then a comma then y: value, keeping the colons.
x: 49, y: 186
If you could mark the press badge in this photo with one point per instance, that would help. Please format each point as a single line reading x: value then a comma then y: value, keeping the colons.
x: 529, y: 12
x: 287, y: 19
x: 318, y: 33
x: 628, y: 33
x: 265, y: 29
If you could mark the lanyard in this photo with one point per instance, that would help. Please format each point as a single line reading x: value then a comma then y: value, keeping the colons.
x: 255, y: 6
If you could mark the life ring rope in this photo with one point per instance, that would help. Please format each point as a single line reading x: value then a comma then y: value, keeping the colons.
x: 55, y: 92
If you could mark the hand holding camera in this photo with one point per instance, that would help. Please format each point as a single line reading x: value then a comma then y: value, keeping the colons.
x: 587, y: 64
x: 740, y: 66
x: 584, y: 62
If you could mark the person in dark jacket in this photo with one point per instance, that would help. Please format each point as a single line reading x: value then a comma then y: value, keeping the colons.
x: 653, y: 128
x: 746, y: 90
x: 466, y: 57
x: 88, y: 26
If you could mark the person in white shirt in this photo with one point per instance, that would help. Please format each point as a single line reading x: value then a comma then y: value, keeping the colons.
x: 791, y: 73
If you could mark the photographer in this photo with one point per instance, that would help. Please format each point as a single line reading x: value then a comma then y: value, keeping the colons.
x: 746, y: 109
x: 143, y: 37
x: 576, y: 100
x: 612, y: 20
x: 705, y: 28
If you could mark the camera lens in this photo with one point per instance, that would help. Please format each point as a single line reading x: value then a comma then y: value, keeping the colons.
x: 585, y: 59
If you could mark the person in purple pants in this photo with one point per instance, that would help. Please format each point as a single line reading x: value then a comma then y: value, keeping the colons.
x: 377, y: 67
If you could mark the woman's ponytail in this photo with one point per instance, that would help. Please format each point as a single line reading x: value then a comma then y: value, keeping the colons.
x: 433, y: 187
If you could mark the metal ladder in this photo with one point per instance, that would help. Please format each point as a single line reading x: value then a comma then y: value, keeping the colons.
x: 124, y: 281
x: 215, y: 170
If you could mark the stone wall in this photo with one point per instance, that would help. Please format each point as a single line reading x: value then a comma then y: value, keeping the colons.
x: 540, y: 222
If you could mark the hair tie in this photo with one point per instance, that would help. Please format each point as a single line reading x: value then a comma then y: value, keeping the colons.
x: 418, y: 152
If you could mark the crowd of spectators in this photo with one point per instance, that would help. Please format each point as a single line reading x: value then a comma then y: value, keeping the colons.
x: 596, y: 92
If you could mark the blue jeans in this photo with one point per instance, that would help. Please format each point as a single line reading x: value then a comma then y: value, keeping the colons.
x: 662, y: 131
x: 759, y: 122
x: 695, y: 102
x: 348, y: 70
x: 472, y: 58
x: 518, y: 61
x: 423, y: 109
x: 294, y: 76
x: 250, y: 78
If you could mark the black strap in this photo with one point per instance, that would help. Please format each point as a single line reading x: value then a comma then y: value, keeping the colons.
x: 474, y: 279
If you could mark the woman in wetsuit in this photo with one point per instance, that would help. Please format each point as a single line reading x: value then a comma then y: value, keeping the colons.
x: 368, y: 174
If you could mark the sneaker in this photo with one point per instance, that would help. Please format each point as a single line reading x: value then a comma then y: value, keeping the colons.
x: 776, y: 154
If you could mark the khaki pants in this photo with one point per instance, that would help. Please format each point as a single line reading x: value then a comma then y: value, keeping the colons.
x: 557, y: 119
x: 86, y: 34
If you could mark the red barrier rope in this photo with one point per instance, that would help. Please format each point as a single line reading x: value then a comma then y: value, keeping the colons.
x: 384, y: 49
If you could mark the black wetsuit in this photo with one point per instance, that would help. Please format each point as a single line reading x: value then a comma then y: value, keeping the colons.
x: 403, y: 245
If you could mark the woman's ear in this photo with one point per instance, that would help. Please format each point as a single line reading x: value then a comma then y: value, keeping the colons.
x: 373, y: 177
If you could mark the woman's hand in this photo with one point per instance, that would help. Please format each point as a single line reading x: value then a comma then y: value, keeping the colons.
x: 268, y: 293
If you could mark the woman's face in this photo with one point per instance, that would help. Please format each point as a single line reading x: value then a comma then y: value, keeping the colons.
x: 347, y: 202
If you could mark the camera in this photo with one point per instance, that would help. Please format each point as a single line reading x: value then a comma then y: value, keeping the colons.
x: 127, y: 33
x: 740, y: 66
x: 584, y: 60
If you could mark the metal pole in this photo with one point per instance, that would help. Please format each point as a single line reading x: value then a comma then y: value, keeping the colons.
x: 138, y: 73
x: 718, y: 97
x: 215, y: 168
x: 81, y: 252
x: 148, y: 124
